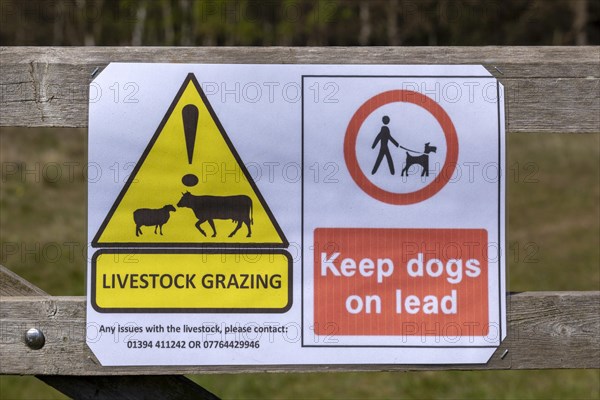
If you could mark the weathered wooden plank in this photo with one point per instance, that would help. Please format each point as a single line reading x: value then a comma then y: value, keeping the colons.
x: 513, y: 62
x: 102, y: 387
x: 546, y: 330
x: 549, y: 89
x: 561, y: 327
x: 12, y: 284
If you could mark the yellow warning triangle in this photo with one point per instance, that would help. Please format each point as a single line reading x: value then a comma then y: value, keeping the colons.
x: 191, y: 185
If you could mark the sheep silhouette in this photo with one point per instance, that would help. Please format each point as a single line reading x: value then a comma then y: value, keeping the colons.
x: 151, y: 217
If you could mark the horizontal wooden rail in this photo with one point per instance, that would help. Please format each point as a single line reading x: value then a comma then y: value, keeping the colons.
x: 548, y: 89
x: 546, y: 330
x: 98, y: 386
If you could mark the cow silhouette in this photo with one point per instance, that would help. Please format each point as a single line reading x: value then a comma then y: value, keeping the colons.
x: 422, y: 160
x: 208, y: 208
x: 151, y: 217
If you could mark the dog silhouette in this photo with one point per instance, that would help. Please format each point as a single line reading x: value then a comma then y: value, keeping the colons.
x: 422, y: 160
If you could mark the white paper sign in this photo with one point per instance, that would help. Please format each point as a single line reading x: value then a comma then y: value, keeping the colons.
x: 295, y: 214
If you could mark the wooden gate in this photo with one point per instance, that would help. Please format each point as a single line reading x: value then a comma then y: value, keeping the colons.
x: 548, y: 89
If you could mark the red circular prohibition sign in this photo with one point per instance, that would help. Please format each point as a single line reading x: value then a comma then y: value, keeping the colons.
x: 438, y: 113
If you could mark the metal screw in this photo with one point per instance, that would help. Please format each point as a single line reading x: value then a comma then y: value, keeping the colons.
x: 34, y: 338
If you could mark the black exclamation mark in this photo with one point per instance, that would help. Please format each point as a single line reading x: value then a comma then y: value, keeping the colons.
x: 190, y: 125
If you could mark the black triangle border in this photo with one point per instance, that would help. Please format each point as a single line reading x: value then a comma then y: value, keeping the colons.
x: 189, y: 78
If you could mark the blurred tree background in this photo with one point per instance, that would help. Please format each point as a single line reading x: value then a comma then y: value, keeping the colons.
x: 299, y: 22
x: 557, y: 212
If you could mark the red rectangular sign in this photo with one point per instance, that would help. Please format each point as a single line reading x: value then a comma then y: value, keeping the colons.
x: 408, y: 282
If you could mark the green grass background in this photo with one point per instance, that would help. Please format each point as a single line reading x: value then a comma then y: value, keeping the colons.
x: 553, y: 244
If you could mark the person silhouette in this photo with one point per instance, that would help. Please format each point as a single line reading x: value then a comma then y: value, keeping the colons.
x: 384, y: 137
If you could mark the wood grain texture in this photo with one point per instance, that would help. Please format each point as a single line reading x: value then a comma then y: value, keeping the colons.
x: 96, y: 387
x: 12, y: 284
x: 546, y: 330
x: 549, y: 89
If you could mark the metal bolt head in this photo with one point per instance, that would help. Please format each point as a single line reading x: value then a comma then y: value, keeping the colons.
x: 34, y: 338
